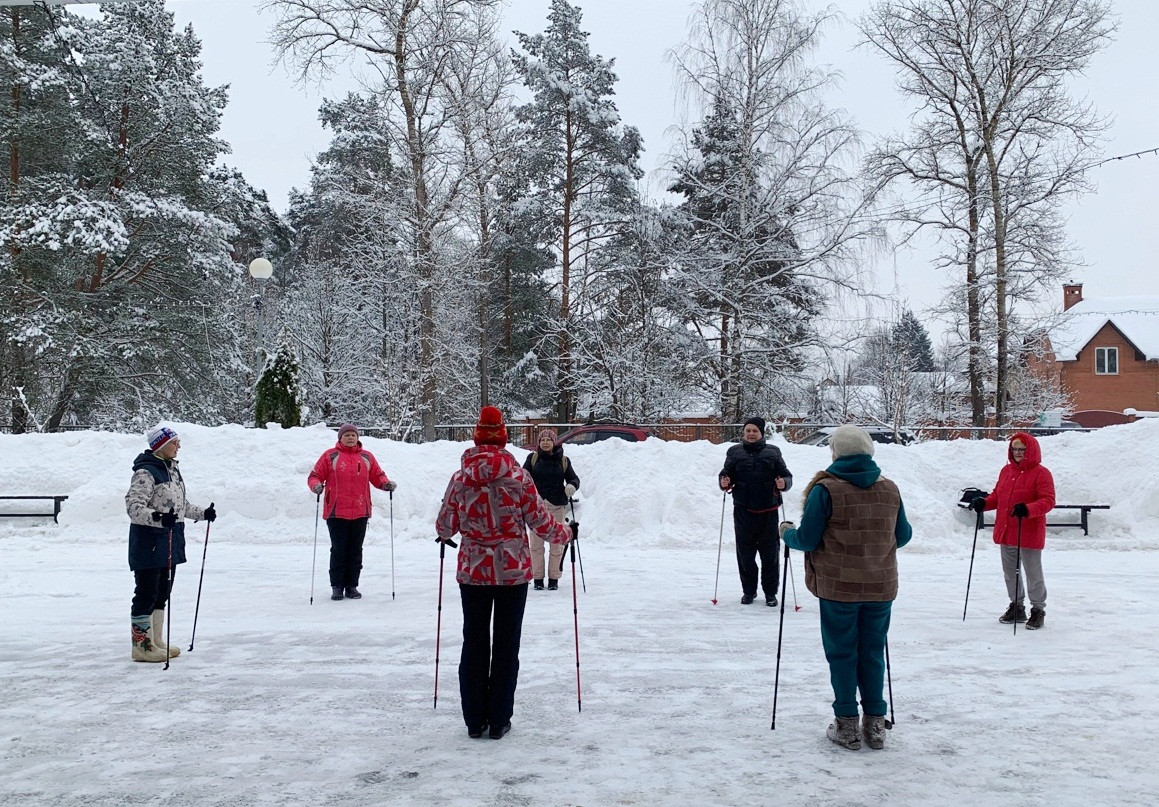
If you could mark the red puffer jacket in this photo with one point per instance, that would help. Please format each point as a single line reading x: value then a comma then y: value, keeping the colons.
x: 492, y: 503
x: 1027, y: 482
x: 348, y: 474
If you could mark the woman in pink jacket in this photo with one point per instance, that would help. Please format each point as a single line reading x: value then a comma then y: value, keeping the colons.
x: 1021, y: 499
x: 492, y: 502
x: 346, y: 473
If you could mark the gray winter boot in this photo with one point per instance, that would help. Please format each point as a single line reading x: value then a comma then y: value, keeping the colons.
x: 844, y: 731
x: 873, y: 727
x: 143, y: 649
x: 158, y: 623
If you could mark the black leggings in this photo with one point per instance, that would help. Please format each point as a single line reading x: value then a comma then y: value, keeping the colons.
x: 152, y: 589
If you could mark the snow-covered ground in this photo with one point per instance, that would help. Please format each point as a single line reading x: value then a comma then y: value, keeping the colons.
x: 285, y: 703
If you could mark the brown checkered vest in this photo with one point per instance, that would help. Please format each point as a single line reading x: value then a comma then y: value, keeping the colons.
x: 856, y: 560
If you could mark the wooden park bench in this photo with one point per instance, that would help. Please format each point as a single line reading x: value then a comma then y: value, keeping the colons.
x: 56, y: 500
x: 1084, y: 511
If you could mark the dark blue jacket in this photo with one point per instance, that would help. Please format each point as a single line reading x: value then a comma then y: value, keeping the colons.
x: 149, y: 546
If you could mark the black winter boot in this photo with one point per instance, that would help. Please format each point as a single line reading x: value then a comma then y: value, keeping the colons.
x: 553, y: 585
x: 497, y: 732
x: 352, y: 593
x: 1037, y: 619
x: 335, y: 592
x: 539, y: 584
x: 1015, y: 613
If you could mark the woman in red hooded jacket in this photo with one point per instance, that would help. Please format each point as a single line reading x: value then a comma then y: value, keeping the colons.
x: 1021, y: 499
x: 346, y: 473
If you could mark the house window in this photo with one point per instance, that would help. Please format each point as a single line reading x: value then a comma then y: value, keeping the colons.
x: 1106, y: 361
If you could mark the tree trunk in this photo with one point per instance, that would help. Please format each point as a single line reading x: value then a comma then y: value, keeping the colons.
x: 424, y: 245
x: 974, y: 300
x: 19, y: 370
x: 1000, y: 382
x: 565, y: 406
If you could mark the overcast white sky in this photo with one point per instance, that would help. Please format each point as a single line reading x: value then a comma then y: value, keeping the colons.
x: 272, y: 123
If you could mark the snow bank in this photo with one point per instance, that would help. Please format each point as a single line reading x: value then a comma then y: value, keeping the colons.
x: 649, y: 494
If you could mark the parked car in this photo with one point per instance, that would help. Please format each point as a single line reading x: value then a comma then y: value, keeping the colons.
x: 595, y: 432
x: 1065, y: 425
x: 879, y: 434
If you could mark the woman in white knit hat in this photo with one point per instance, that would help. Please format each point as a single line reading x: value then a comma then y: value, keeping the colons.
x: 157, y: 510
x: 852, y: 525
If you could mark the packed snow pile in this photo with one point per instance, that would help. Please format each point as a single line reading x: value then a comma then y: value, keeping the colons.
x: 640, y: 494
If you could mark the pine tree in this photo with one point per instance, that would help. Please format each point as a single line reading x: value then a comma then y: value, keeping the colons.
x: 580, y: 165
x: 118, y: 240
x: 278, y: 390
x: 910, y: 338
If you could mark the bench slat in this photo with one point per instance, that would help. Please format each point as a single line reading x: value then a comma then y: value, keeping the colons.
x: 56, y: 500
x: 1083, y: 522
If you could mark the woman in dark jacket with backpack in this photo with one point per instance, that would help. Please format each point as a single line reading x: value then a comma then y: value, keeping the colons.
x: 556, y: 482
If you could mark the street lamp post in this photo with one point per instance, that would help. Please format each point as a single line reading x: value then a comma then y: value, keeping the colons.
x: 260, y: 270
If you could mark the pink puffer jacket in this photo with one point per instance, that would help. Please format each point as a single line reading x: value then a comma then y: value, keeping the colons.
x: 348, y: 473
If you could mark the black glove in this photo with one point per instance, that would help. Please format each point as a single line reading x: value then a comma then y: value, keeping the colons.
x: 167, y: 519
x: 978, y: 504
x: 575, y: 530
x: 1020, y: 511
x: 210, y: 513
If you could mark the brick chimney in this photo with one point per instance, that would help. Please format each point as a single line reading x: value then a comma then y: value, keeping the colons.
x: 1071, y: 293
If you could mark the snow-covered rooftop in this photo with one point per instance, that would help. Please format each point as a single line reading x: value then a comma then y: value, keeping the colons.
x: 1136, y: 316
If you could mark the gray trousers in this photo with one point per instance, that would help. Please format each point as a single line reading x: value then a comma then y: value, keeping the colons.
x: 1033, y: 582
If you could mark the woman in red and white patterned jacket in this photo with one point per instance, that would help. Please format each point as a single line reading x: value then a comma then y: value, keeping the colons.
x: 491, y: 501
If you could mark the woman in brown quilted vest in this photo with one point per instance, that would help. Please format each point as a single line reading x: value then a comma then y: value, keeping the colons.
x: 851, y: 527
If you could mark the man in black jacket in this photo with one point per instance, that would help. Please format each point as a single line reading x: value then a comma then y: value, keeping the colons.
x: 755, y: 474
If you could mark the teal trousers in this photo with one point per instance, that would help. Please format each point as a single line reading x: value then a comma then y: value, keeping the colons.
x: 853, y: 635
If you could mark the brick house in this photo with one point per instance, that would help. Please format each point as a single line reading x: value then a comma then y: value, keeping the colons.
x: 1104, y: 354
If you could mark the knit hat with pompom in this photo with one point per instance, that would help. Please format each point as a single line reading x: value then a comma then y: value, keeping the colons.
x: 490, y: 430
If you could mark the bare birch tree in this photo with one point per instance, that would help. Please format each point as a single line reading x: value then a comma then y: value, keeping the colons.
x: 996, y: 146
x: 772, y: 206
x: 409, y: 46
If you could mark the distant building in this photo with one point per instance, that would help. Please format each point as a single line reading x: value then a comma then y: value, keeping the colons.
x: 1104, y: 354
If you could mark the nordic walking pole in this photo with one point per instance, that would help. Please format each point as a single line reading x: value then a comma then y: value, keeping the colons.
x: 780, y: 635
x: 793, y: 580
x: 200, y: 580
x: 889, y: 679
x: 391, y: 494
x: 579, y: 554
x: 169, y: 596
x: 575, y: 615
x: 1017, y: 575
x: 314, y: 562
x: 970, y: 574
x: 439, y: 624
x: 792, y: 577
x: 719, y: 544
